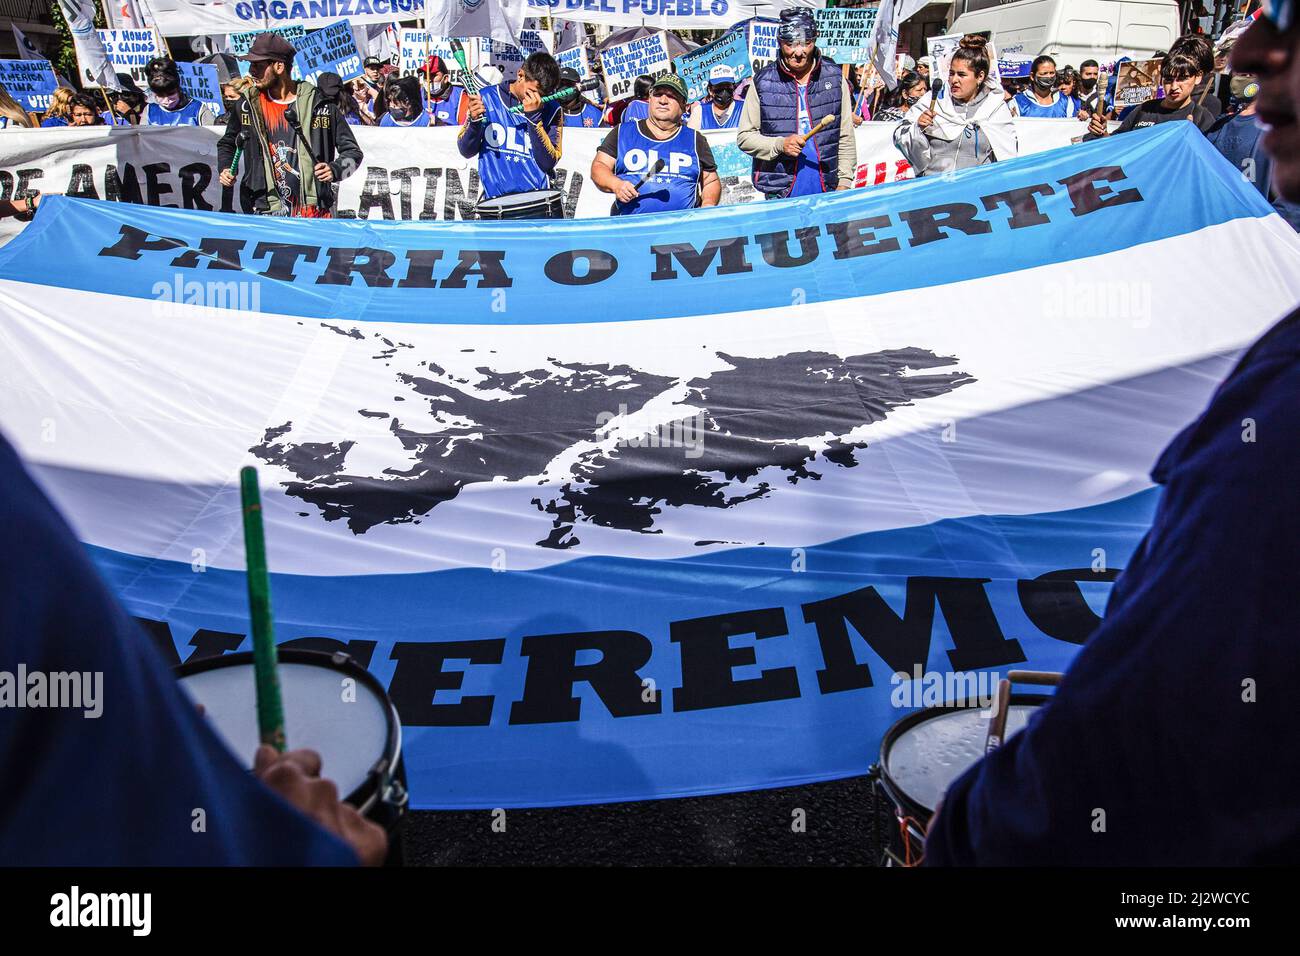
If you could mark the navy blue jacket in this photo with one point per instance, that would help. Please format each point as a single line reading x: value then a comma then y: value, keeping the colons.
x: 780, y: 114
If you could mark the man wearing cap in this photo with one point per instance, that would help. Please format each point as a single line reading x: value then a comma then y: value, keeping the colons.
x: 517, y: 152
x: 578, y: 110
x: 924, y: 66
x: 627, y: 162
x: 720, y: 110
x: 295, y: 143
x: 790, y: 97
x: 370, y: 86
x: 443, y: 102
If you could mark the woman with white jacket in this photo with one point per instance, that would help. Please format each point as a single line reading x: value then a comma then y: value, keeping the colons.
x: 970, y: 126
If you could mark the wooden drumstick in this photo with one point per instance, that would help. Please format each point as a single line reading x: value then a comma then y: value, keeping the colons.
x: 1046, y: 678
x: 824, y: 122
x: 998, y: 723
x: 270, y: 710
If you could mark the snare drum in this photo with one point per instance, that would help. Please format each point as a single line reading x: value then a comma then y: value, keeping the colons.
x: 925, y: 752
x: 331, y: 705
x: 537, y: 204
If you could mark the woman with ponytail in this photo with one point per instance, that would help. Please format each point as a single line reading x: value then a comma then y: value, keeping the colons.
x: 970, y: 125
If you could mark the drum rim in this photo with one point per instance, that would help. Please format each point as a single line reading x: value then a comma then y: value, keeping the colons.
x: 371, y: 789
x: 900, y: 797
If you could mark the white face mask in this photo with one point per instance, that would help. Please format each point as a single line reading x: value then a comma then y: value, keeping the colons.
x: 170, y: 101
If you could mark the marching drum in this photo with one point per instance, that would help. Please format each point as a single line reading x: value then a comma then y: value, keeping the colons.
x: 925, y: 752
x: 331, y: 705
x: 537, y: 204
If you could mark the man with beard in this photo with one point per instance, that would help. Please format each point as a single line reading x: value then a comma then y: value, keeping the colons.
x: 283, y: 171
x: 720, y: 110
x: 1157, y: 722
x: 171, y: 107
x: 578, y: 110
x: 790, y: 97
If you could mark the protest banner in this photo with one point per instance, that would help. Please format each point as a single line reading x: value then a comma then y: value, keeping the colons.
x: 1136, y: 82
x: 763, y: 45
x: 242, y: 42
x: 593, y: 448
x: 663, y: 14
x: 30, y: 82
x: 416, y: 46
x: 129, y: 50
x: 844, y: 33
x: 331, y: 49
x: 1014, y: 66
x: 507, y: 57
x: 199, y: 82
x: 576, y: 59
x: 731, y: 50
x: 624, y: 62
x: 199, y: 17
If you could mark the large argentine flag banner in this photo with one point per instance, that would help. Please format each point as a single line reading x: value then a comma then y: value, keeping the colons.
x: 645, y: 508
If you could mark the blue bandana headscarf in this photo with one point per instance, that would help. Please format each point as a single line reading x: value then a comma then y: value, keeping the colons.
x: 797, y: 26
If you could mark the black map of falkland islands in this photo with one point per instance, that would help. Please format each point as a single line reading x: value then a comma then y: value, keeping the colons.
x: 758, y: 414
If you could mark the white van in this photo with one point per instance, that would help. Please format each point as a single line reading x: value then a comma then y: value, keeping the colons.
x: 1072, y: 31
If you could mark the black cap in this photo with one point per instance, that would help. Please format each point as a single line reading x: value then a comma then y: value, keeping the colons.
x: 270, y: 46
x: 373, y: 61
x: 569, y: 75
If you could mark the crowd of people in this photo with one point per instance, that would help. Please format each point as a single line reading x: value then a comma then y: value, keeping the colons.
x: 514, y: 126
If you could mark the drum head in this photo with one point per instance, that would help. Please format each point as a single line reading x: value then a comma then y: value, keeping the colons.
x: 331, y: 705
x: 925, y: 752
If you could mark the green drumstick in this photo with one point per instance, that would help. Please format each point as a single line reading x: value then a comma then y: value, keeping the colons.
x: 270, y: 711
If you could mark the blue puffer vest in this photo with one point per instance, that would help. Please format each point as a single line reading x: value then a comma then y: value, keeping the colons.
x: 779, y: 117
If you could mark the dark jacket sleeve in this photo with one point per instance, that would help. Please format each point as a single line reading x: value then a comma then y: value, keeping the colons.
x: 226, y: 145
x: 348, y: 151
x: 470, y: 138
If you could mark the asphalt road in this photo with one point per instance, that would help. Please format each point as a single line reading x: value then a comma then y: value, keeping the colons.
x: 755, y: 828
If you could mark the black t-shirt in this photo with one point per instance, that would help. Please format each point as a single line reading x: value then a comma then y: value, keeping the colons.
x: 609, y: 146
x: 1153, y: 112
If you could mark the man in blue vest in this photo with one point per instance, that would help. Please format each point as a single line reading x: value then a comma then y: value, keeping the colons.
x: 1042, y: 98
x: 720, y: 110
x: 517, y: 152
x: 790, y: 97
x: 171, y: 107
x: 578, y: 110
x: 626, y: 161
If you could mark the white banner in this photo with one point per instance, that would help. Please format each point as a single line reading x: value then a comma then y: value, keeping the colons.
x: 624, y: 62
x: 130, y: 50
x: 665, y: 14
x: 191, y: 17
x: 406, y: 173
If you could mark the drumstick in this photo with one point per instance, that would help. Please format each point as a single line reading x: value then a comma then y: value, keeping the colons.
x: 652, y: 172
x: 1047, y: 678
x: 270, y: 711
x: 821, y: 125
x: 998, y: 723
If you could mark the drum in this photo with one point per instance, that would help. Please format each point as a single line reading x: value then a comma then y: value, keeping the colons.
x: 331, y: 705
x: 924, y: 753
x: 537, y: 204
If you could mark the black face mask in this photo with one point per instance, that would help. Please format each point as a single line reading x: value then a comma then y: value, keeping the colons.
x: 1044, y: 84
x: 1087, y: 85
x: 723, y: 96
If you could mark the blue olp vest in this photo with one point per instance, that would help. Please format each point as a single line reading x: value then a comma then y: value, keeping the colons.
x: 676, y: 187
x: 779, y: 116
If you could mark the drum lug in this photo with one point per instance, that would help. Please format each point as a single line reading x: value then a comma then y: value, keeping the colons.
x: 395, y: 795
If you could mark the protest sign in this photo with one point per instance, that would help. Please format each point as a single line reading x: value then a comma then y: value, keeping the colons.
x: 199, y: 82
x: 844, y: 33
x: 129, y: 50
x: 30, y: 82
x: 576, y: 59
x: 1014, y: 66
x: 414, y: 47
x: 1136, y: 82
x: 332, y: 49
x: 624, y: 62
x: 732, y: 51
x: 200, y: 17
x: 763, y: 46
x: 242, y: 42
x: 508, y: 58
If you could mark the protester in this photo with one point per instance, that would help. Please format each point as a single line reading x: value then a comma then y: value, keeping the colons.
x: 911, y: 87
x: 637, y: 108
x: 12, y: 115
x: 443, y: 102
x: 1043, y: 99
x: 720, y: 110
x: 1180, y: 74
x: 970, y: 126
x: 129, y: 106
x: 1238, y: 136
x: 1067, y: 84
x: 924, y: 67
x: 334, y: 90
x: 521, y: 154
x: 1091, y: 97
x: 578, y: 110
x: 689, y: 177
x: 22, y: 207
x: 171, y: 106
x: 1203, y: 51
x: 1156, y: 747
x: 792, y: 95
x: 83, y: 110
x: 403, y: 97
x: 59, y: 113
x: 297, y: 144
x: 152, y: 756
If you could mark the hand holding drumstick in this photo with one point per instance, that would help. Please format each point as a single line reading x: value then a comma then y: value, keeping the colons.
x: 795, y: 142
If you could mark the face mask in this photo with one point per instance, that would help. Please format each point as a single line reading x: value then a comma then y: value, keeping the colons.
x: 1088, y: 85
x: 437, y: 91
x: 724, y: 96
x: 397, y: 112
x: 1044, y: 83
x: 1244, y: 88
x: 170, y: 101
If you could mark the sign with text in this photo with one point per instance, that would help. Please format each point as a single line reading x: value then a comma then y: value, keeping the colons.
x: 763, y: 46
x: 30, y: 82
x: 731, y: 50
x: 844, y: 33
x: 332, y: 49
x: 242, y: 42
x: 624, y: 62
x: 130, y: 50
x: 199, y: 81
